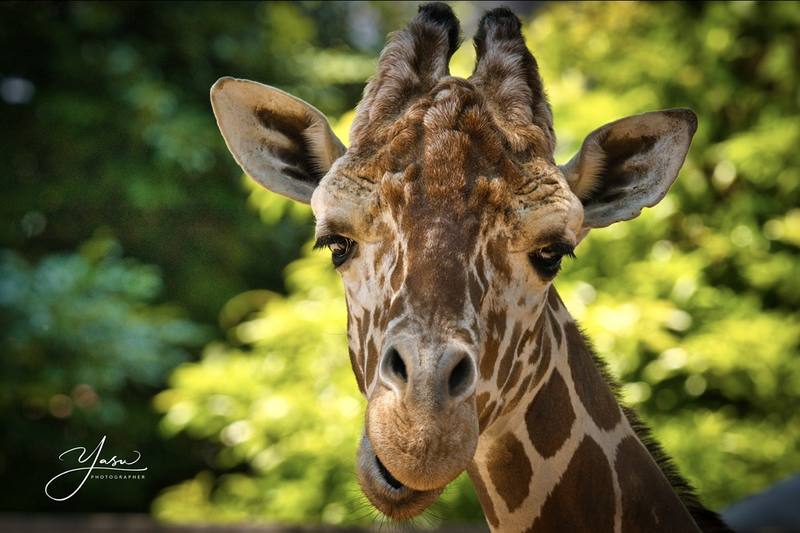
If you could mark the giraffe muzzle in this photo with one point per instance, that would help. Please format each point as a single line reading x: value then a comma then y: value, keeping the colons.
x: 421, y: 419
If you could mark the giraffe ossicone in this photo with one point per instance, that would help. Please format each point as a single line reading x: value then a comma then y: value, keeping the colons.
x: 447, y: 218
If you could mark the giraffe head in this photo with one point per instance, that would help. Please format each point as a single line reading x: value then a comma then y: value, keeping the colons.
x: 447, y: 219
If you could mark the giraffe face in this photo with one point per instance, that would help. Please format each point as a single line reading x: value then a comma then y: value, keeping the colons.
x: 444, y: 242
x: 446, y: 218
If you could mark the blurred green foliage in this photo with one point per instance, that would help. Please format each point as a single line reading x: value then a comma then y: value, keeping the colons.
x: 93, y: 310
x: 694, y: 304
x: 280, y: 402
x: 81, y: 339
x: 117, y: 131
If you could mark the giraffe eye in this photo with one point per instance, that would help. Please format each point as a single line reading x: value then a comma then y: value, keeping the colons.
x: 341, y: 248
x: 547, y: 260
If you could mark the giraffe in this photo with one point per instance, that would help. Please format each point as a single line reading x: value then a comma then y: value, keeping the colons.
x: 448, y: 218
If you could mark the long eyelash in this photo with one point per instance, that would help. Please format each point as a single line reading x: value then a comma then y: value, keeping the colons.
x: 325, y: 240
x: 563, y: 248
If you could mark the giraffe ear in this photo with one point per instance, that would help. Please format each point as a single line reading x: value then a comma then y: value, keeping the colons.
x: 629, y: 164
x: 280, y: 141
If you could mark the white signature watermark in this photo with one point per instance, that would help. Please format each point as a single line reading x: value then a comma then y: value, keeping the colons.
x: 92, y: 462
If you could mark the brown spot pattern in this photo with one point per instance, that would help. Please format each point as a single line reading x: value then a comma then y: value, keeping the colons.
x: 540, y: 355
x: 523, y: 388
x: 553, y: 300
x: 376, y: 317
x: 496, y: 326
x: 536, y: 332
x: 356, y: 365
x: 485, y: 417
x: 510, y: 470
x: 371, y: 361
x: 556, y: 327
x: 362, y: 325
x: 550, y: 416
x: 489, y: 356
x: 513, y: 378
x: 544, y: 364
x: 526, y: 337
x: 544, y: 341
x: 475, y: 293
x: 498, y: 256
x: 593, y: 391
x: 648, y: 501
x: 480, y: 401
x: 483, y: 495
x: 583, y: 500
x: 508, y: 357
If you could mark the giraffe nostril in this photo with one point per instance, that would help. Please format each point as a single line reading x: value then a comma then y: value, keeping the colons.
x: 460, y: 377
x: 428, y: 379
x: 397, y: 365
x: 393, y: 371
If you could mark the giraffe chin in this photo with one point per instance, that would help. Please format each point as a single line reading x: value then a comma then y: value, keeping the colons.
x: 385, y: 492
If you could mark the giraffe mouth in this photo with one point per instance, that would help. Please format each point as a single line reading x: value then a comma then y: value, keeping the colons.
x: 387, y: 476
x: 386, y: 492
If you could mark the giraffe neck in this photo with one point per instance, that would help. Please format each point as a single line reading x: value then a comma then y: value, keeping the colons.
x: 557, y: 453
